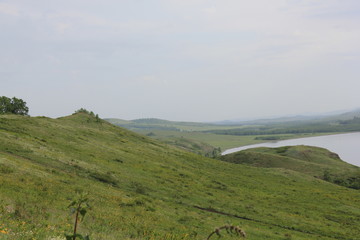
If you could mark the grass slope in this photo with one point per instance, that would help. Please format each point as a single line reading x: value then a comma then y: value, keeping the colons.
x: 143, y: 189
x: 314, y: 161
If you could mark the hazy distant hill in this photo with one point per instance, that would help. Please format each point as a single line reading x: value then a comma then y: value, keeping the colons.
x: 344, y: 116
x: 338, y: 115
x: 154, y: 123
x: 140, y: 188
x: 346, y: 122
x: 298, y: 118
x: 270, y: 120
x: 160, y: 124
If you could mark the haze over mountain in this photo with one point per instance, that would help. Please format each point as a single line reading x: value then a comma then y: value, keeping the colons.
x: 328, y: 116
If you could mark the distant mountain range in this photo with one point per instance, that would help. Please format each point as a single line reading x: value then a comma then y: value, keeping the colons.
x: 335, y: 115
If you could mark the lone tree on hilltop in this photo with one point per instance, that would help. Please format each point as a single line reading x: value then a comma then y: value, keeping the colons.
x: 13, y: 106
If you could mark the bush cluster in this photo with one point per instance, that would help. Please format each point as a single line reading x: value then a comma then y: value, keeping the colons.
x: 13, y: 106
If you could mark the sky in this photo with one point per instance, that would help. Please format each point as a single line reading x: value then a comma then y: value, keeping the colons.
x: 188, y: 60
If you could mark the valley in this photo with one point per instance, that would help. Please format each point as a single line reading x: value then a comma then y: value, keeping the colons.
x: 210, y: 138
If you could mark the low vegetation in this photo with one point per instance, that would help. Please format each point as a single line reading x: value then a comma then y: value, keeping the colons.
x: 190, y: 145
x: 313, y: 161
x: 230, y: 229
x: 79, y: 206
x: 141, y: 188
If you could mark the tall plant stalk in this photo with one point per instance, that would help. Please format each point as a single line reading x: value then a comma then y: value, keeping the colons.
x: 79, y: 206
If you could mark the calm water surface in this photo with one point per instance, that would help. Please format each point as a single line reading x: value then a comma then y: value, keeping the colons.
x: 347, y: 146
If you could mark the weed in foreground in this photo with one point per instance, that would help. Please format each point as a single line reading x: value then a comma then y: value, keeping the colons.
x: 79, y: 206
x: 230, y: 229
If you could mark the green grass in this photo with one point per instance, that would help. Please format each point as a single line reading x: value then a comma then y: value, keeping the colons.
x: 217, y: 140
x: 191, y: 145
x: 314, y: 161
x: 141, y: 188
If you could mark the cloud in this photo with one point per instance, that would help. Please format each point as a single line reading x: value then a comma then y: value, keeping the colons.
x: 218, y: 47
x: 62, y: 27
x: 151, y: 80
x: 209, y: 10
x: 9, y: 9
x: 77, y: 16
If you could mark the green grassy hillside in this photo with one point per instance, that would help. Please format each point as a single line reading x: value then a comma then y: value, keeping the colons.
x: 140, y: 188
x: 190, y: 145
x: 314, y: 161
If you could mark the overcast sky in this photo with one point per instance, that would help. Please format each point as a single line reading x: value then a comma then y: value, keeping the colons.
x: 191, y: 60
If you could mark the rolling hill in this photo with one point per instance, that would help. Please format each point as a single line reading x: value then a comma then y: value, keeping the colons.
x: 313, y: 161
x: 140, y: 188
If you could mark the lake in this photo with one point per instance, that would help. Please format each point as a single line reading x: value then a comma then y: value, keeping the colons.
x: 347, y: 146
